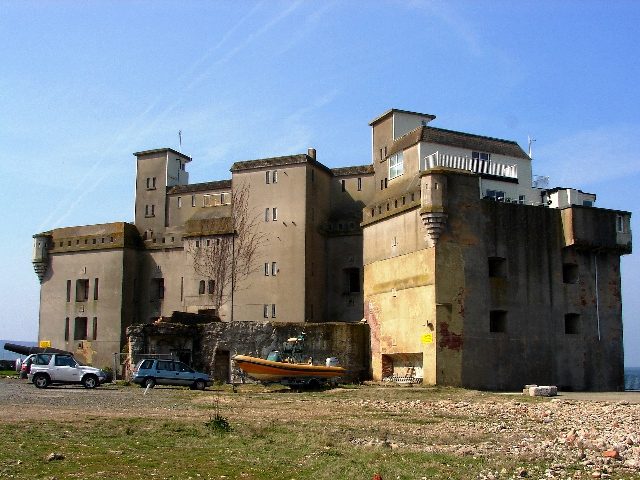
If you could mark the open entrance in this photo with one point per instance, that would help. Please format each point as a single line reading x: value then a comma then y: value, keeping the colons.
x: 221, y: 363
x: 402, y: 368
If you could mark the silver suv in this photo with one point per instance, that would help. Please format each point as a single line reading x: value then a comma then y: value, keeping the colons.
x: 48, y: 368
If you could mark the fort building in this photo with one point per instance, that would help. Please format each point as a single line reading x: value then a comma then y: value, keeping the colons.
x: 466, y: 268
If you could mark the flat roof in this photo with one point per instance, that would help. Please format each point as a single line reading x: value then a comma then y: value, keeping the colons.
x: 162, y: 150
x: 389, y: 112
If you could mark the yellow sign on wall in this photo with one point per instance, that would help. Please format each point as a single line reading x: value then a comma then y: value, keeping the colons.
x: 427, y: 338
x: 45, y: 344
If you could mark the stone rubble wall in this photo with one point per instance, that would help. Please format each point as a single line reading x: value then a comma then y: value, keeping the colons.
x: 349, y: 342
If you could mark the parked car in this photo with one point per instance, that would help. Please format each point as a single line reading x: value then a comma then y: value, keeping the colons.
x: 150, y: 372
x: 23, y: 367
x: 49, y: 368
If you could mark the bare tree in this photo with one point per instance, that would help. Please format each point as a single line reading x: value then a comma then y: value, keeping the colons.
x: 224, y: 249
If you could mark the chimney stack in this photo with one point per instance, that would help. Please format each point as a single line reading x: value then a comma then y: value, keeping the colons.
x: 311, y: 152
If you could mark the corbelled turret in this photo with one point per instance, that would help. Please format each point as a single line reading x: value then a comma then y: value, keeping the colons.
x: 40, y: 258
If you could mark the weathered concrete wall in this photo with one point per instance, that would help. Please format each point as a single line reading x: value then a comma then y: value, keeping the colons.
x: 586, y: 227
x: 513, y: 302
x: 348, y: 342
x: 531, y: 294
x: 399, y: 306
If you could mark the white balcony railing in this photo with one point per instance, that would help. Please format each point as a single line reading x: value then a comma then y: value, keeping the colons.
x: 475, y: 165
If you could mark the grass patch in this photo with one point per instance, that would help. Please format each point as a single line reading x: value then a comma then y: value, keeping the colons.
x: 260, y: 434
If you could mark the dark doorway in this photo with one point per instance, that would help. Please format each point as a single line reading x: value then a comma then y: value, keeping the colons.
x: 221, y: 366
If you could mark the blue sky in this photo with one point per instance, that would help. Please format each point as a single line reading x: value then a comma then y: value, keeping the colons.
x: 85, y: 84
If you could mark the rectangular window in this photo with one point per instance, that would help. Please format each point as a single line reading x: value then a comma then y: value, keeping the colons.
x: 497, y: 267
x: 572, y: 324
x: 201, y: 287
x: 193, y: 200
x: 396, y: 165
x: 521, y: 199
x: 95, y: 328
x: 275, y: 176
x: 153, y: 210
x: 68, y: 290
x: 497, y: 195
x: 359, y: 184
x: 266, y: 311
x: 273, y: 310
x: 95, y: 289
x: 211, y: 286
x: 266, y: 214
x: 343, y: 182
x: 66, y: 329
x: 267, y: 177
x: 482, y: 156
x: 619, y: 224
x: 153, y: 182
x: 179, y: 202
x: 587, y: 203
x: 274, y: 268
x: 80, y: 328
x: 497, y: 321
x: 352, y: 280
x: 82, y: 290
x: 206, y: 201
x: 569, y: 273
x: 181, y: 288
x: 274, y: 212
x: 266, y: 269
x: 158, y: 288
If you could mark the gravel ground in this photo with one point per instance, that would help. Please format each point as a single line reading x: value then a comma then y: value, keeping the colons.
x: 575, y: 435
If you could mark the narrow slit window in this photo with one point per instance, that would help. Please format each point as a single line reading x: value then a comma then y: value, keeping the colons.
x: 497, y: 321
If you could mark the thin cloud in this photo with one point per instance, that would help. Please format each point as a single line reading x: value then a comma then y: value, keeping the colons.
x: 132, y: 131
x: 590, y: 157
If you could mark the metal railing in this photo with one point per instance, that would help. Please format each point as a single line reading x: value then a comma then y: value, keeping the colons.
x: 475, y: 165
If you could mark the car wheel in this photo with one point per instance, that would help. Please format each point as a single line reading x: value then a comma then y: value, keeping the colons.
x: 199, y: 385
x: 90, y: 381
x: 41, y: 381
x: 149, y: 382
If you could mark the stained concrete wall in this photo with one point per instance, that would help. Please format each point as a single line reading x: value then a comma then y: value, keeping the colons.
x: 347, y: 342
x: 511, y: 292
x: 534, y: 346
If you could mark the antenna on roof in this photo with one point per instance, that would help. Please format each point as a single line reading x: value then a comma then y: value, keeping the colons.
x: 180, y: 141
x: 531, y: 140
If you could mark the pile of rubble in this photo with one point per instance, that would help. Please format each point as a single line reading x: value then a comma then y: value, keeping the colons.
x: 574, y: 439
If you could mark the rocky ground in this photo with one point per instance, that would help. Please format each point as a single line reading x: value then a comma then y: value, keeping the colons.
x: 519, y: 437
x: 601, y: 437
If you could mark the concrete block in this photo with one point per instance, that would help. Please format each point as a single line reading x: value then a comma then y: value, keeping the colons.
x: 543, y: 391
x: 525, y: 390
